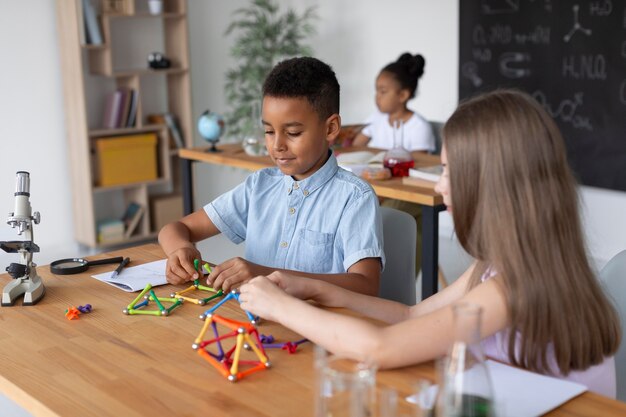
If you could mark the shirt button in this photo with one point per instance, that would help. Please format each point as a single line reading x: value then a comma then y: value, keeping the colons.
x: 306, y: 192
x: 288, y: 190
x: 283, y: 244
x: 292, y: 210
x: 295, y: 186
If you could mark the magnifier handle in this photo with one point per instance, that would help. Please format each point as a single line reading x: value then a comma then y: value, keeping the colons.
x: 115, y: 260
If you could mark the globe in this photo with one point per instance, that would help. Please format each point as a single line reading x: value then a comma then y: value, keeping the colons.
x: 211, y: 128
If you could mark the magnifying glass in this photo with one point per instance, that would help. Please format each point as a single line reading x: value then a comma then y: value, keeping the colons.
x: 77, y: 265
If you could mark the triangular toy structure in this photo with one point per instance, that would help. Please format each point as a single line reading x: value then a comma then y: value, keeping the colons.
x: 196, y: 286
x: 228, y: 362
x: 136, y: 307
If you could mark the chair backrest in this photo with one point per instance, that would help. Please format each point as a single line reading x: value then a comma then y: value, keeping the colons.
x: 397, y: 282
x: 613, y: 276
x: 437, y: 126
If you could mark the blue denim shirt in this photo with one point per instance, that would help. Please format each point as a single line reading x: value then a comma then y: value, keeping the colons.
x: 322, y: 224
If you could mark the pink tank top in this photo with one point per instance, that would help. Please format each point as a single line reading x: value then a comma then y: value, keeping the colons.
x: 598, y: 378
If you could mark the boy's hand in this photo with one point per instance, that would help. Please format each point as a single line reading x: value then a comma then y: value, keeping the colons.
x: 179, y: 268
x: 234, y: 272
x: 262, y: 297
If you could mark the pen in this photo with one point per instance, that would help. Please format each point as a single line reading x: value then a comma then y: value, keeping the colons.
x: 121, y: 266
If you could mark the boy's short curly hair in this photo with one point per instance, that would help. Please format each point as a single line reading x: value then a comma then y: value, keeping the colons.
x: 308, y: 78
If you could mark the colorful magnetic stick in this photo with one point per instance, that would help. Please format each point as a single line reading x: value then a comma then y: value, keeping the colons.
x: 233, y: 294
x: 229, y: 362
x: 290, y: 347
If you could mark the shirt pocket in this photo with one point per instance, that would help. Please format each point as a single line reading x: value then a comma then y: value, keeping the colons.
x: 315, y: 251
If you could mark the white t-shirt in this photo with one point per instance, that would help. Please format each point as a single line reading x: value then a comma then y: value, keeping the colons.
x: 417, y: 134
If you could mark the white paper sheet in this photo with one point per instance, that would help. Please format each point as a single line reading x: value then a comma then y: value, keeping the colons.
x: 520, y: 393
x: 135, y: 278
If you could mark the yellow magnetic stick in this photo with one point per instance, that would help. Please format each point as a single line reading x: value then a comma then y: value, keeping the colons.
x: 207, y: 268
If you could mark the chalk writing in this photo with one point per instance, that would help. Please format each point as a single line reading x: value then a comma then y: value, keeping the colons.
x: 540, y: 35
x: 511, y: 64
x: 566, y: 110
x: 499, y: 6
x: 481, y: 54
x: 576, y: 27
x: 584, y: 67
x: 600, y: 8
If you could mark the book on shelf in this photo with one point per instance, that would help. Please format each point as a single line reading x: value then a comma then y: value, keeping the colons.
x: 132, y: 110
x: 120, y: 109
x: 92, y: 26
x: 168, y: 119
x: 131, y: 218
x: 82, y: 38
x: 430, y: 173
x: 172, y: 124
x: 110, y: 230
x: 122, y: 118
x: 112, y: 109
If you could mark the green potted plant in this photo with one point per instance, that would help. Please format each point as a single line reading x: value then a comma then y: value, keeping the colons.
x: 264, y: 38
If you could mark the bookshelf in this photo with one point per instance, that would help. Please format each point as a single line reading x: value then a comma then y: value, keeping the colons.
x: 90, y: 72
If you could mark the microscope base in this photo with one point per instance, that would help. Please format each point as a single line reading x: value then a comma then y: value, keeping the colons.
x: 32, y: 288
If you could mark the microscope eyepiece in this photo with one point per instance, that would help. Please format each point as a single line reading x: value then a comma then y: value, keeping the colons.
x: 22, y: 183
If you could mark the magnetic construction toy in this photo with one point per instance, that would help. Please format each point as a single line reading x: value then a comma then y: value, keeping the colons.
x: 228, y: 362
x: 135, y: 305
x: 291, y: 347
x: 197, y: 287
x: 234, y: 294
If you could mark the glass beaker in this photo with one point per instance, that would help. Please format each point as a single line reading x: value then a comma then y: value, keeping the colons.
x: 398, y: 159
x: 345, y: 387
x: 465, y: 386
x: 253, y: 141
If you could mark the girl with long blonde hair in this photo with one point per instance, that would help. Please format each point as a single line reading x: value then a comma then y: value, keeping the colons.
x: 515, y: 207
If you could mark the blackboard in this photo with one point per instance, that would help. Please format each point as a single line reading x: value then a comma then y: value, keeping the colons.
x: 570, y: 56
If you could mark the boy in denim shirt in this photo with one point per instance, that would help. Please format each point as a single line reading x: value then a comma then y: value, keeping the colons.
x: 307, y: 215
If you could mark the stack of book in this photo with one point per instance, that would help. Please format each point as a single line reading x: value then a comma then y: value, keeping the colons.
x: 120, y: 109
x: 110, y: 230
x: 423, y: 176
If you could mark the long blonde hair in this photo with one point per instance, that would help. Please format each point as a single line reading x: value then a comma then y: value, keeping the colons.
x: 516, y: 210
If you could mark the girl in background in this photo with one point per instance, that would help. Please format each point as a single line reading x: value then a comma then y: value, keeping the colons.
x: 396, y: 84
x: 514, y: 203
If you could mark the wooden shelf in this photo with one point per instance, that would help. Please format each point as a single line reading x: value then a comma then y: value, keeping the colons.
x: 128, y: 241
x: 108, y: 188
x: 142, y: 15
x: 90, y: 72
x: 141, y: 71
x: 98, y: 133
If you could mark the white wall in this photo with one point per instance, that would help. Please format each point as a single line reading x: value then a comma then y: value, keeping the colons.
x: 32, y: 134
x: 353, y: 36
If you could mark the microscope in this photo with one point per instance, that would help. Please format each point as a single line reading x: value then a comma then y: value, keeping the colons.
x: 24, y: 274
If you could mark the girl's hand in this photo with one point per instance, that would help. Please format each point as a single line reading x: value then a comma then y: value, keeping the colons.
x: 298, y: 287
x: 263, y: 298
x: 234, y: 272
x: 179, y: 267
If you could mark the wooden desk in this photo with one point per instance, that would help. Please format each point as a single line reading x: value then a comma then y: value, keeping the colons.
x: 432, y: 203
x: 110, y: 364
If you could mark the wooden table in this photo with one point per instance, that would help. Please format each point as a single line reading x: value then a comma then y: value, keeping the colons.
x: 233, y: 155
x: 110, y: 364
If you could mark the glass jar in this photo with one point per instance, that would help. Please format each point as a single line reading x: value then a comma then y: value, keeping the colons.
x: 398, y: 159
